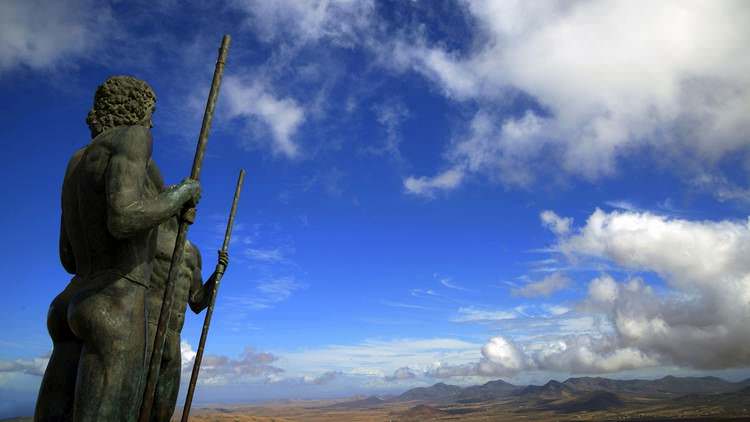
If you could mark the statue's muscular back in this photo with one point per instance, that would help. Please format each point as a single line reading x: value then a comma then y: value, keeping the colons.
x: 86, y: 199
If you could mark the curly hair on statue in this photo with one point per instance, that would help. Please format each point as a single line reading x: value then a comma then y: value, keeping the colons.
x: 120, y: 101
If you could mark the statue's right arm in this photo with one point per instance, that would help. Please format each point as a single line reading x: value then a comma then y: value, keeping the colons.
x: 128, y: 211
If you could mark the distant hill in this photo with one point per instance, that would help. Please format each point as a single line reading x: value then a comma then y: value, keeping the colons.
x: 487, y: 392
x: 669, y: 385
x: 553, y: 390
x: 439, y: 392
x: 590, y: 402
x: 733, y: 400
x: 573, y: 388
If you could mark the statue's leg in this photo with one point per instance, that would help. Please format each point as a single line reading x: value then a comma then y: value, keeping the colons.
x: 56, y: 393
x: 169, y: 379
x: 111, y: 370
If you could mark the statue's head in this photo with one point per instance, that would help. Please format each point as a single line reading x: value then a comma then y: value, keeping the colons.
x: 121, y: 101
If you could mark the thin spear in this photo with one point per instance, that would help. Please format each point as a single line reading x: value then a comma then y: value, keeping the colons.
x: 179, y: 247
x: 219, y: 273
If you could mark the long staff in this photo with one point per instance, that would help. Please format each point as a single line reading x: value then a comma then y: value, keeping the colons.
x: 219, y: 273
x: 179, y: 247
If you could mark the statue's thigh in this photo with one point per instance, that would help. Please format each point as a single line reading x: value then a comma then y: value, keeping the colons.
x: 169, y: 379
x: 110, y: 319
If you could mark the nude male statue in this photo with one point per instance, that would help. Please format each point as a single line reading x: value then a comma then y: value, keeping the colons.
x: 189, y: 290
x: 108, y: 241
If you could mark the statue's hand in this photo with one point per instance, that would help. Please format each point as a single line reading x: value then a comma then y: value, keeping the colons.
x: 223, y: 258
x: 189, y: 215
x: 193, y: 188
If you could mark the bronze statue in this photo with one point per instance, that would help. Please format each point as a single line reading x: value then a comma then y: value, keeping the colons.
x: 189, y: 290
x: 108, y: 241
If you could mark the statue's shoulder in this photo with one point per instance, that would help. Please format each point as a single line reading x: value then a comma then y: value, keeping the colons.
x: 132, y: 141
x: 193, y: 254
x: 74, y: 160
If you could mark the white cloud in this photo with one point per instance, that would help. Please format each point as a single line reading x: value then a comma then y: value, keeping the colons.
x: 615, y: 78
x: 499, y: 351
x: 544, y: 287
x: 471, y: 314
x: 251, y: 367
x: 603, y: 289
x: 447, y: 282
x: 500, y: 358
x: 34, y: 366
x: 187, y: 355
x: 401, y: 374
x: 556, y: 310
x: 42, y: 35
x: 427, y: 186
x: 340, y: 21
x: 324, y: 378
x: 380, y: 358
x: 560, y: 226
x: 265, y: 255
x: 282, y: 116
x: 703, y: 320
x: 390, y: 115
x: 700, y: 320
x: 267, y: 294
x: 581, y: 354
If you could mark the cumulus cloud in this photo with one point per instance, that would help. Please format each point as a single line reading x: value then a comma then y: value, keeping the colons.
x: 703, y: 320
x: 544, y: 287
x: 34, y: 366
x: 502, y: 353
x: 699, y: 320
x: 187, y: 355
x: 41, y: 35
x: 251, y: 366
x: 611, y: 79
x: 558, y: 225
x: 500, y: 357
x: 281, y: 116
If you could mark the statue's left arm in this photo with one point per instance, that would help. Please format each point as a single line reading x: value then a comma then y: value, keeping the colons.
x: 67, y: 258
x: 200, y: 293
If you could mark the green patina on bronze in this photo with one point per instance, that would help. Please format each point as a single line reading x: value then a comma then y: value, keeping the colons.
x: 115, y: 327
x: 189, y: 290
x: 108, y: 241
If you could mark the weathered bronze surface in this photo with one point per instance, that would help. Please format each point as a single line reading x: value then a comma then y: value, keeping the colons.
x: 152, y: 376
x: 108, y: 241
x: 189, y: 290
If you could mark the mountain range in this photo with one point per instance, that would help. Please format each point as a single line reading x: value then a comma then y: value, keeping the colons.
x: 666, y: 387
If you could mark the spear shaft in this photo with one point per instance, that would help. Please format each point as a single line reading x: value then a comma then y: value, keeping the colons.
x: 218, y: 274
x: 179, y: 247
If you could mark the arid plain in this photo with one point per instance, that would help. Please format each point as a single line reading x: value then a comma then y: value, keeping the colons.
x: 575, y: 399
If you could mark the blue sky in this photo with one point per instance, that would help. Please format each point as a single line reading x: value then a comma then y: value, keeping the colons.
x: 454, y: 192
